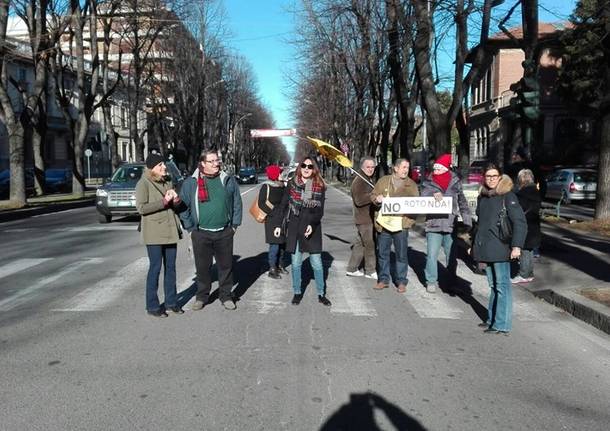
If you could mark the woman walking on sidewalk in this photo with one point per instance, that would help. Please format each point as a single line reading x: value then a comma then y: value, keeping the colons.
x: 492, y: 250
x: 529, y: 199
x: 303, y: 206
x: 157, y: 202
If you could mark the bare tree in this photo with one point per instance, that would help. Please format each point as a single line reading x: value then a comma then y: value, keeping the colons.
x: 9, y: 114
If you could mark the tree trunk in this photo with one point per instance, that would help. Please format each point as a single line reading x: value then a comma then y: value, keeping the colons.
x: 602, y: 207
x: 111, y: 135
x: 16, y: 160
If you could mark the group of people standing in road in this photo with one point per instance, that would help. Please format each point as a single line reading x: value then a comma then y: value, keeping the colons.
x: 209, y: 207
x: 498, y: 197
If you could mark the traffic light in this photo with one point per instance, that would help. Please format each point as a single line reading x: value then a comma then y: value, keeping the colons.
x: 528, y: 102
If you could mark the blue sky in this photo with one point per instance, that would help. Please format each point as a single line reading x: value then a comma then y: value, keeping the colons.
x: 260, y: 30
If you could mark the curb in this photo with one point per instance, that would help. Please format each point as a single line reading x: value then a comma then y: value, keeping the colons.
x: 582, y: 308
x: 18, y: 214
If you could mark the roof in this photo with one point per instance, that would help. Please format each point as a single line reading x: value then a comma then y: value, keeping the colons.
x: 545, y: 30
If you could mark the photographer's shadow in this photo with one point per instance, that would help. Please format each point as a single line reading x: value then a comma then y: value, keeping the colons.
x: 359, y: 414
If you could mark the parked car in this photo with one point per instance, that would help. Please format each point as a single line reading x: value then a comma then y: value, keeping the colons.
x: 247, y: 176
x: 5, y: 183
x: 571, y: 184
x: 117, y: 196
x: 58, y: 180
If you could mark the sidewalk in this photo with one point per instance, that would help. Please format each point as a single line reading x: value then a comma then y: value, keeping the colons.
x: 573, y: 264
x: 45, y: 204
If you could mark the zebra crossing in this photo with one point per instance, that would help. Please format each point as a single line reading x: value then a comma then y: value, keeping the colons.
x: 351, y: 296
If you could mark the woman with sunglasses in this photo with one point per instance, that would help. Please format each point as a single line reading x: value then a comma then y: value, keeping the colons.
x: 303, y: 207
x: 491, y: 252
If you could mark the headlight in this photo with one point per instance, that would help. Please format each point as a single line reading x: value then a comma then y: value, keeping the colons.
x: 101, y: 193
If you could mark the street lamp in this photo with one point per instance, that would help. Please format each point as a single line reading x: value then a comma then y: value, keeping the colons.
x: 239, y: 120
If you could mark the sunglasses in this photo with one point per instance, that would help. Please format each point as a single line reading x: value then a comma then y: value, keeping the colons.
x: 306, y: 166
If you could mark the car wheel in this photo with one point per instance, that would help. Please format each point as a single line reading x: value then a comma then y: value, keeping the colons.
x: 102, y: 218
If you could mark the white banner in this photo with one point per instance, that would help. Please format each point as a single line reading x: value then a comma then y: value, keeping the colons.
x: 271, y: 133
x: 420, y: 205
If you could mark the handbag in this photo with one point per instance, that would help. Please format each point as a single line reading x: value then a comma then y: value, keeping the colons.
x: 505, y: 228
x: 256, y: 212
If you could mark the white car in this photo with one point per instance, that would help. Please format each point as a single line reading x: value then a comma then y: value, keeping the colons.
x: 571, y: 184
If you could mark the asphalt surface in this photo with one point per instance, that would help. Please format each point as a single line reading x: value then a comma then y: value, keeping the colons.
x: 77, y: 350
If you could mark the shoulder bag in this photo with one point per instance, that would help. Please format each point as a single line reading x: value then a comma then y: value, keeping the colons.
x: 257, y: 213
x: 505, y: 228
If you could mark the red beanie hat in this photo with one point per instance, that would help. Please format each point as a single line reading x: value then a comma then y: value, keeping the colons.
x: 273, y: 172
x: 444, y: 160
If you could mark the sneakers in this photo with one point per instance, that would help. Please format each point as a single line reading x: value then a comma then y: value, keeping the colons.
x: 324, y: 300
x: 521, y: 280
x: 356, y: 273
x: 229, y: 305
x: 296, y: 299
x: 176, y: 310
x: 431, y: 288
x: 372, y: 275
x: 158, y: 313
x: 197, y: 305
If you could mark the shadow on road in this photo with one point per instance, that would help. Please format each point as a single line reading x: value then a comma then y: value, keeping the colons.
x: 247, y: 271
x: 359, y: 415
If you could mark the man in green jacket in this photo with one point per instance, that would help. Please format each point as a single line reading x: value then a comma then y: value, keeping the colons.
x: 213, y: 213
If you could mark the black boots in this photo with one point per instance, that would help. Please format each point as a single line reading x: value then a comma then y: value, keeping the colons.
x: 274, y: 273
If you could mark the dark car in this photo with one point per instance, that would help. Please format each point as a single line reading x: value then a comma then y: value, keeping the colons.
x: 247, y: 176
x: 117, y: 197
x: 58, y: 180
x: 5, y: 183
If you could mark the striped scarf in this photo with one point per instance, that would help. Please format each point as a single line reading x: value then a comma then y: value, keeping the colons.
x: 308, y: 195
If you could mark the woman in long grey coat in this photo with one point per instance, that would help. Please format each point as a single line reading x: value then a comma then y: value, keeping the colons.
x: 156, y: 201
x: 491, y: 251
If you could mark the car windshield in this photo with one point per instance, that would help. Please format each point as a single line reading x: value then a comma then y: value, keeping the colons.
x: 246, y: 171
x: 127, y: 173
x: 585, y: 177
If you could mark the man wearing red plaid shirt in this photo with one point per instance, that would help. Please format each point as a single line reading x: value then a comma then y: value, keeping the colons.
x: 213, y: 213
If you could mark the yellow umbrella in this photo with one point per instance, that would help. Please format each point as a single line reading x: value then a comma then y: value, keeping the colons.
x: 333, y: 153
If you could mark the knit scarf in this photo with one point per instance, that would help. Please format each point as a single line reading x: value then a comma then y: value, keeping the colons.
x: 442, y: 180
x: 202, y: 190
x: 308, y: 195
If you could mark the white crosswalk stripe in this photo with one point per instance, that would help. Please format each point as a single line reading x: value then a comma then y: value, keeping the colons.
x: 20, y: 265
x: 107, y: 291
x: 431, y: 306
x: 25, y: 294
x: 346, y: 297
x: 270, y: 295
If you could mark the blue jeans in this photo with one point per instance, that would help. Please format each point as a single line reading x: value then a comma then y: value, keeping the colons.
x: 315, y: 259
x: 274, y: 251
x: 526, y: 263
x: 500, y: 310
x: 158, y: 254
x: 401, y: 245
x: 434, y: 241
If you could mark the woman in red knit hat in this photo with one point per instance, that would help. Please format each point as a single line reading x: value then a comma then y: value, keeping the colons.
x: 440, y: 228
x: 269, y: 198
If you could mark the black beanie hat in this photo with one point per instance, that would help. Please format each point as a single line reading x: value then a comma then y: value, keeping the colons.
x: 153, y: 160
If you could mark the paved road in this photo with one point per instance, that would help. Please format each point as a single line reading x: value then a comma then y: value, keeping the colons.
x: 78, y: 352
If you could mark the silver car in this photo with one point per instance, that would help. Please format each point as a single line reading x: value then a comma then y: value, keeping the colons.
x: 571, y: 185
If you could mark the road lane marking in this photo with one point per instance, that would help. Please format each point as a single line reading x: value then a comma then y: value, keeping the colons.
x: 20, y: 265
x: 108, y: 290
x: 430, y: 306
x: 24, y: 295
x: 345, y: 296
x: 270, y: 294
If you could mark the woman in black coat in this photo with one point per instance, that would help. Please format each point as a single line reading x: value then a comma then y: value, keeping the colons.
x: 529, y: 199
x: 491, y: 251
x: 303, y: 206
x: 269, y: 200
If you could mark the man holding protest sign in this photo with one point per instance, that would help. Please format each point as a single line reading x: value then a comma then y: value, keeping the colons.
x: 393, y: 229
